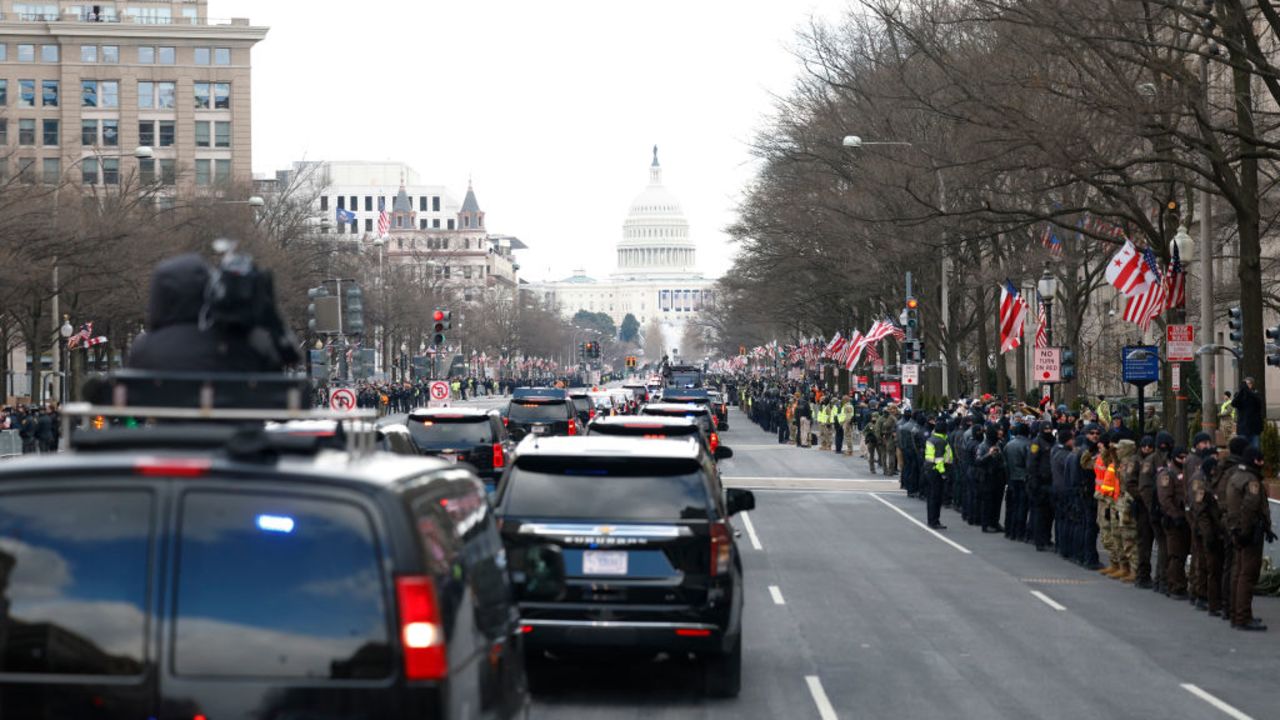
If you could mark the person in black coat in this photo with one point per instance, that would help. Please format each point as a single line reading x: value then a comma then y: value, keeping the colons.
x: 990, y: 476
x: 1249, y: 412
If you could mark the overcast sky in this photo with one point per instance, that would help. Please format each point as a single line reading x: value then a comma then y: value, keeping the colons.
x: 552, y: 107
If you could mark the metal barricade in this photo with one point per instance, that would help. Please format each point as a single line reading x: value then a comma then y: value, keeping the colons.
x: 10, y: 443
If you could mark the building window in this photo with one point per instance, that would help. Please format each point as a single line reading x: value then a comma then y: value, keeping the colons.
x: 111, y: 133
x: 27, y: 93
x: 166, y: 56
x: 50, y: 133
x: 49, y: 53
x: 147, y: 133
x: 202, y: 99
x: 222, y: 134
x: 146, y: 55
x: 222, y: 56
x: 342, y: 205
x: 4, y: 92
x: 146, y: 94
x: 202, y: 134
x: 368, y: 225
x: 4, y: 131
x: 168, y: 173
x: 368, y: 203
x: 166, y: 95
x: 435, y: 224
x: 324, y: 202
x: 450, y: 224
x: 109, y: 94
x: 89, y: 133
x: 89, y: 171
x: 202, y: 56
x: 27, y: 169
x: 88, y: 93
x: 203, y: 172
x: 88, y: 53
x: 111, y: 54
x: 355, y: 226
x: 110, y: 171
x: 435, y: 203
x: 167, y: 133
x: 52, y: 171
x: 26, y: 53
x: 147, y: 170
x: 49, y: 93
x: 4, y: 52
x: 422, y: 204
x: 422, y: 224
x: 466, y: 272
x: 222, y: 96
x: 222, y: 171
x: 26, y: 131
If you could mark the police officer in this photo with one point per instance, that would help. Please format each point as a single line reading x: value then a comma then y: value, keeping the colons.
x: 1040, y: 486
x: 1201, y: 449
x: 991, y: 475
x: 1016, y: 454
x: 1249, y: 522
x: 906, y: 448
x: 937, y: 458
x: 1141, y: 487
x: 1221, y: 478
x: 1170, y: 493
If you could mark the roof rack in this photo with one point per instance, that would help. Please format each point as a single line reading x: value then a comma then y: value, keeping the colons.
x: 235, y: 411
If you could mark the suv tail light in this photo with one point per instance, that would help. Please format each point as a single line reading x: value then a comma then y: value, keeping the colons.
x: 573, y: 427
x: 420, y: 630
x: 499, y: 459
x: 591, y: 414
x: 714, y: 441
x: 721, y: 549
x: 172, y: 467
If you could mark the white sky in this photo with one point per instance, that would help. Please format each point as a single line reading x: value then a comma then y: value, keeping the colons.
x: 552, y: 106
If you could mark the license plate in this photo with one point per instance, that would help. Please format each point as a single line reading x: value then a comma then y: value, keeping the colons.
x: 539, y: 429
x: 604, y: 562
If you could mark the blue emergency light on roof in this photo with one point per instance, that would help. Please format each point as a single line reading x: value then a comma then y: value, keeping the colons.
x: 275, y: 523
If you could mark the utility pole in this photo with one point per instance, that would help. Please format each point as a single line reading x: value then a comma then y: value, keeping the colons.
x: 908, y: 391
x: 1208, y: 393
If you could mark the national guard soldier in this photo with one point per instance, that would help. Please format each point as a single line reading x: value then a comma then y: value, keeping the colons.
x: 1106, y: 491
x: 937, y: 459
x: 871, y: 443
x: 844, y: 436
x: 826, y: 422
x: 1127, y: 467
x: 1141, y: 486
x: 887, y: 432
x: 1249, y: 522
x: 1170, y: 491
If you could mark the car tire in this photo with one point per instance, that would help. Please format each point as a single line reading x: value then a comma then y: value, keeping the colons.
x: 722, y: 673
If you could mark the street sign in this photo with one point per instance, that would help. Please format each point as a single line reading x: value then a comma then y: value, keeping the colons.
x: 1175, y: 377
x: 1180, y: 343
x: 342, y: 399
x: 892, y: 388
x: 439, y: 390
x: 861, y: 382
x: 1048, y: 365
x: 1140, y: 364
x: 910, y: 374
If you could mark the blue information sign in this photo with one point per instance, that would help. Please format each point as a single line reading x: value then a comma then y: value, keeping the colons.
x: 1140, y: 364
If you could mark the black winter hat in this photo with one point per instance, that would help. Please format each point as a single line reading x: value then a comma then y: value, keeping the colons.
x: 1147, y: 441
x: 1237, y: 445
x: 1252, y: 455
x: 1201, y: 437
x: 1164, y: 440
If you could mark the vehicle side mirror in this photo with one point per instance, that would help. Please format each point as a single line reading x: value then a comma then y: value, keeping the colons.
x: 739, y: 500
x: 723, y: 452
x: 542, y: 574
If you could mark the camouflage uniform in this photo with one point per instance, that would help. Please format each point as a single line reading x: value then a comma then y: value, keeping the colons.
x: 888, y: 430
x: 1126, y: 525
x: 872, y: 443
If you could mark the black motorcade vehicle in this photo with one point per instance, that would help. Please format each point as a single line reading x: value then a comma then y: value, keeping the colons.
x: 649, y: 555
x: 700, y: 414
x: 542, y: 412
x: 657, y: 427
x: 200, y: 566
x: 683, y: 376
x: 582, y: 404
x: 466, y: 435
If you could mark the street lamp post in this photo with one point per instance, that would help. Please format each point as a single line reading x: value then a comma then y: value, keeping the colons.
x: 1182, y: 246
x: 1047, y: 286
x: 65, y: 331
x: 379, y: 243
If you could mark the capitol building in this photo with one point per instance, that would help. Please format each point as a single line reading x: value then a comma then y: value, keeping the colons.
x: 656, y: 274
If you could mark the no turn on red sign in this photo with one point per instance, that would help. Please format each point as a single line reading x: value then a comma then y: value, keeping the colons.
x: 439, y: 390
x: 1048, y: 365
x: 1180, y: 343
x: 342, y: 399
x: 911, y: 374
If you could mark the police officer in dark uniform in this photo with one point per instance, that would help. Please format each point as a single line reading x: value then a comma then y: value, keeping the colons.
x: 1040, y: 486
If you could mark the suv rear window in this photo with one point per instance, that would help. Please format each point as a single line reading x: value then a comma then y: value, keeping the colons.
x: 639, y: 430
x: 539, y: 412
x: 613, y: 489
x: 73, y: 581
x: 451, y: 431
x: 278, y: 586
x: 699, y: 416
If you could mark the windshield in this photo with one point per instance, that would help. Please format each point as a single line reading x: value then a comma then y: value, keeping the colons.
x: 469, y: 431
x: 531, y: 412
x: 606, y: 490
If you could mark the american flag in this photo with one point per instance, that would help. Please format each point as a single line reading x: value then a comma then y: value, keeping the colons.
x: 834, y: 346
x: 384, y: 222
x: 83, y: 336
x: 853, y: 350
x: 1176, y: 282
x: 1145, y: 306
x: 1042, y: 321
x: 1013, y: 311
x: 1051, y: 241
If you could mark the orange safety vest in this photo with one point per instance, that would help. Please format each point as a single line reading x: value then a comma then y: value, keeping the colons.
x: 1104, y: 482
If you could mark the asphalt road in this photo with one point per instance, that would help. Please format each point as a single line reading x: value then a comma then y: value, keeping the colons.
x: 855, y: 610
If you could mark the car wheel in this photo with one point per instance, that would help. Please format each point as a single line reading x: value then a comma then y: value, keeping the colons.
x: 723, y: 672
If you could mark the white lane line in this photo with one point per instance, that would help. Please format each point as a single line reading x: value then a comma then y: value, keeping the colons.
x: 776, y: 594
x: 751, y: 530
x: 1225, y: 708
x: 1273, y: 500
x: 825, y: 711
x: 1048, y: 600
x: 926, y: 528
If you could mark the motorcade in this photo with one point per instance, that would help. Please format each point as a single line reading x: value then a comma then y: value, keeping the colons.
x: 700, y: 414
x: 650, y: 559
x: 582, y: 404
x: 658, y: 427
x: 543, y: 412
x: 189, y: 562
x: 638, y: 390
x: 464, y: 435
x: 683, y: 376
x: 624, y: 400
x: 719, y: 406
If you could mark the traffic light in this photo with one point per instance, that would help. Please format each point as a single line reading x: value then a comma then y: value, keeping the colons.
x: 917, y: 351
x: 913, y: 314
x: 354, y: 316
x: 1067, y: 369
x: 1235, y: 321
x: 1273, y: 345
x: 441, y: 321
x: 319, y: 364
x: 322, y: 311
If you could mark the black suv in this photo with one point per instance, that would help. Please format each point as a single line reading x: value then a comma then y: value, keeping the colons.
x: 195, y: 569
x: 700, y: 414
x: 582, y: 404
x: 657, y: 427
x: 649, y: 555
x: 475, y: 437
x: 542, y: 411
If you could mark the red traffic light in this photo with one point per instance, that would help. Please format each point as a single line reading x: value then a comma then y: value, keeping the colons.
x: 437, y: 315
x: 912, y: 303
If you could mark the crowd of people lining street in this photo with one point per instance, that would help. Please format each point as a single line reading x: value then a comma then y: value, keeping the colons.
x: 38, y: 426
x: 1187, y: 522
x: 402, y: 397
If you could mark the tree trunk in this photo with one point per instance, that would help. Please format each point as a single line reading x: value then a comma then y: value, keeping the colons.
x: 984, y: 375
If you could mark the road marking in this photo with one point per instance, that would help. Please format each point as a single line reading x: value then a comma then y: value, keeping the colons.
x: 1225, y: 708
x: 777, y: 595
x: 1048, y: 600
x: 825, y: 711
x: 751, y: 530
x: 926, y: 528
x: 1273, y: 500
